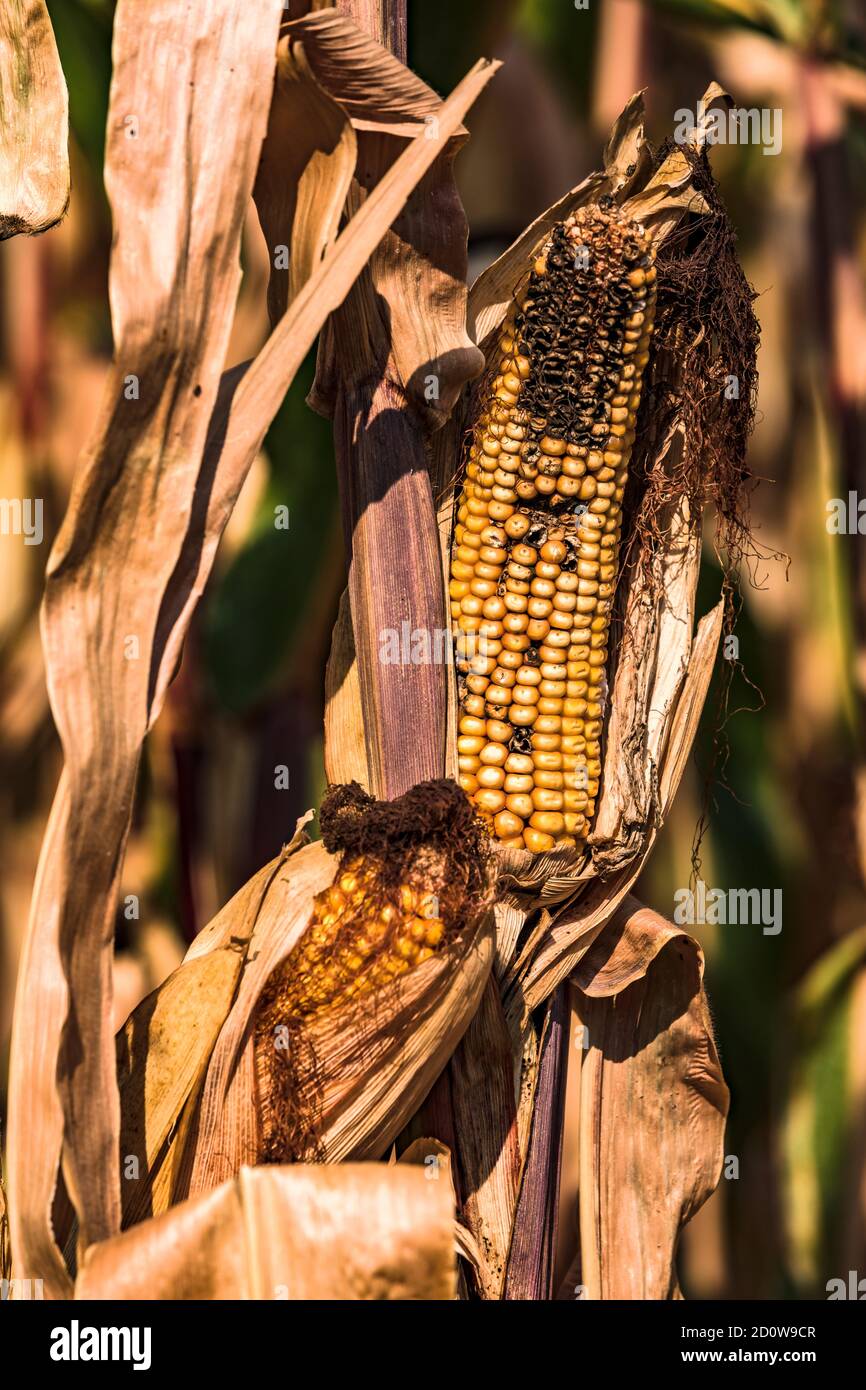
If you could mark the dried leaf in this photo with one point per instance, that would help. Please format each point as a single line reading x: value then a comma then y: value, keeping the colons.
x: 34, y: 130
x: 357, y: 1231
x: 166, y: 1045
x: 652, y: 1104
x: 482, y: 1080
x: 533, y: 1243
x: 306, y: 169
x: 345, y: 750
x: 133, y: 485
x: 409, y: 308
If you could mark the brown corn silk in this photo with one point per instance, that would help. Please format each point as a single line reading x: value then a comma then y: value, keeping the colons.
x: 538, y: 527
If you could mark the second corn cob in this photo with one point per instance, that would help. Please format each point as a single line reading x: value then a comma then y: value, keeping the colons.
x: 536, y: 540
x: 412, y: 879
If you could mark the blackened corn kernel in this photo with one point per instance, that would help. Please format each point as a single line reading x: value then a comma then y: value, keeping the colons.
x: 545, y: 478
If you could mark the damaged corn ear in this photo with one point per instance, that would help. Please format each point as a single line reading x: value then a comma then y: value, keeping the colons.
x: 538, y: 523
x: 358, y: 940
x: 413, y: 881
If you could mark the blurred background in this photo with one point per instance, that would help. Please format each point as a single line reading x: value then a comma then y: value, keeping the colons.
x: 786, y: 807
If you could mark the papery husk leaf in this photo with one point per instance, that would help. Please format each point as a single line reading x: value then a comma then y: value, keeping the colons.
x: 345, y: 747
x: 347, y: 1232
x: 650, y: 671
x: 375, y: 1064
x: 485, y: 1115
x: 652, y: 1104
x: 305, y: 173
x: 166, y: 1044
x: 551, y: 957
x: 223, y: 1134
x: 34, y: 129
x: 109, y: 531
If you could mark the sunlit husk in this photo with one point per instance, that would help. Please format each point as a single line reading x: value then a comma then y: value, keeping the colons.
x: 353, y: 1232
x: 192, y: 1104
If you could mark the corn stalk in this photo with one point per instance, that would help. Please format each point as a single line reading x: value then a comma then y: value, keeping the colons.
x: 276, y: 1038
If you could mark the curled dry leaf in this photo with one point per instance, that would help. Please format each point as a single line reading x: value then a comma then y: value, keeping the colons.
x: 308, y: 160
x: 34, y: 131
x: 347, y: 1232
x: 652, y: 1103
x: 409, y: 307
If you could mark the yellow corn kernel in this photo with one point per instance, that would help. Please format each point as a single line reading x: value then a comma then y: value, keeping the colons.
x: 545, y: 479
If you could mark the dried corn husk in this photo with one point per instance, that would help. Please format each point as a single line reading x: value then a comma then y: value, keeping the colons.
x: 353, y: 1231
x: 392, y: 362
x: 659, y: 199
x: 189, y: 1092
x: 652, y: 1104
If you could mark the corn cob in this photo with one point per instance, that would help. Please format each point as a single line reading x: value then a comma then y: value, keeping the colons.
x: 536, y: 540
x: 411, y: 875
x: 355, y: 942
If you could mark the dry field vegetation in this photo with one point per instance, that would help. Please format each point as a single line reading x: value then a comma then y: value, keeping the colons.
x: 360, y: 1080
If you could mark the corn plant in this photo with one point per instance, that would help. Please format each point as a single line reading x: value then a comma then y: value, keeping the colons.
x: 522, y: 469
